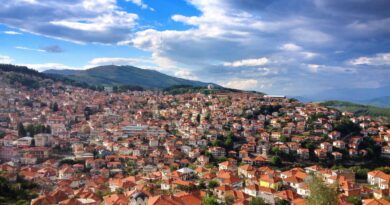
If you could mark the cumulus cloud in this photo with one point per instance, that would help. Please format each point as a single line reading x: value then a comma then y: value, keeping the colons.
x: 316, y: 68
x: 117, y: 61
x: 248, y: 62
x: 299, y: 41
x: 5, y: 59
x: 242, y: 84
x: 185, y: 74
x: 290, y: 47
x: 141, y: 4
x: 290, y: 36
x: 376, y: 60
x: 48, y: 66
x: 101, y: 21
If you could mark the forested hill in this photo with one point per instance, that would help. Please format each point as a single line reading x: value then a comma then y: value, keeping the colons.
x: 358, y: 109
x: 113, y: 75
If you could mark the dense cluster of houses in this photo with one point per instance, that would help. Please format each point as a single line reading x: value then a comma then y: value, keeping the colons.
x: 153, y: 148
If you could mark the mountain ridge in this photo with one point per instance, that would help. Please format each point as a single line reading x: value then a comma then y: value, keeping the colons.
x: 125, y: 75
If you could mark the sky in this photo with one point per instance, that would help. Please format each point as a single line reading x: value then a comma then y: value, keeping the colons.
x: 289, y: 47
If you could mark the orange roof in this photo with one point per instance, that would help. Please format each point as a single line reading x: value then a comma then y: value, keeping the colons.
x: 375, y: 202
x: 379, y: 174
x: 287, y: 195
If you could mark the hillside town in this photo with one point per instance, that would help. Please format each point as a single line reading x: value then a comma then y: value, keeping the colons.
x: 76, y: 146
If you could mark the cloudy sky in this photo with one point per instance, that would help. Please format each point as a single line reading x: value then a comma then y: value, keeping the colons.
x: 290, y: 47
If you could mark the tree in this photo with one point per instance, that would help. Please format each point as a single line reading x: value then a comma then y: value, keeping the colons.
x: 354, y: 200
x: 54, y: 107
x: 48, y: 129
x: 321, y: 194
x: 282, y: 202
x: 276, y: 161
x: 30, y: 130
x: 257, y: 201
x: 21, y: 130
x: 212, y: 184
x: 229, y: 200
x: 346, y: 126
x: 210, y: 200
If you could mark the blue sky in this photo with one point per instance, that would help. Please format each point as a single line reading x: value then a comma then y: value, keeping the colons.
x: 289, y: 47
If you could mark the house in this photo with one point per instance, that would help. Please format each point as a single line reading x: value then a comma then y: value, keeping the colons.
x: 265, y: 193
x: 287, y: 195
x: 339, y: 144
x: 115, y: 199
x: 244, y: 170
x: 381, y: 193
x: 334, y: 135
x: 326, y: 146
x: 24, y: 141
x: 303, y: 153
x: 217, y: 152
x: 386, y: 150
x: 303, y: 190
x: 272, y: 182
x: 227, y: 165
x: 66, y: 172
x: 337, y: 155
x: 320, y: 153
x: 375, y: 202
x: 379, y: 178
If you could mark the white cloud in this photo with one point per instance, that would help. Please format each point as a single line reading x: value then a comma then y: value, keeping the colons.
x: 377, y: 59
x: 48, y: 66
x: 317, y: 68
x: 118, y: 61
x: 309, y: 55
x: 101, y: 23
x: 12, y: 33
x: 313, y: 68
x: 248, y: 62
x: 141, y: 4
x: 29, y: 49
x: 242, y: 84
x: 186, y: 75
x: 305, y: 35
x: 290, y: 47
x: 5, y: 59
x: 98, y: 21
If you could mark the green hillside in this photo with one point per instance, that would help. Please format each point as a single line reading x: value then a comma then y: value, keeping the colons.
x: 125, y: 75
x: 358, y: 109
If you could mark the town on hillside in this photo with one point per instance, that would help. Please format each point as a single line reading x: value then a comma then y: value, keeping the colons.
x: 62, y: 144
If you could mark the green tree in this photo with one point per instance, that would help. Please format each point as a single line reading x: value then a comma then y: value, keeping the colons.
x: 282, y: 202
x: 209, y: 200
x: 212, y: 184
x: 354, y: 200
x: 257, y: 201
x: 321, y: 194
x: 276, y: 161
x: 21, y: 130
x: 229, y: 200
x: 54, y: 107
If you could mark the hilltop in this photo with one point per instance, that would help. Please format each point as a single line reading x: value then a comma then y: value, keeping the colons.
x: 358, y: 109
x: 111, y: 75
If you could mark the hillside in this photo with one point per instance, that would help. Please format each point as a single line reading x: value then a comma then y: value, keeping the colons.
x: 124, y: 75
x: 23, y: 76
x: 358, y: 109
x: 370, y: 96
x: 379, y: 101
